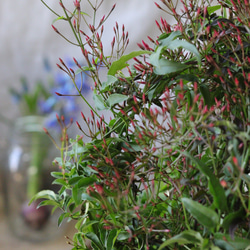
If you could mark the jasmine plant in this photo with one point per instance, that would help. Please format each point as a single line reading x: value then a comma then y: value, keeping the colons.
x: 170, y: 168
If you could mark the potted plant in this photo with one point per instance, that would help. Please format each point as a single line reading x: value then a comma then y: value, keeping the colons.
x: 170, y: 169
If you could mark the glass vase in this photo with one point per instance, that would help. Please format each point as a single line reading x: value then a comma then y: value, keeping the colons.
x: 30, y: 159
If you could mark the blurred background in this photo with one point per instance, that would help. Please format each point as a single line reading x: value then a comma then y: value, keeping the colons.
x: 26, y: 39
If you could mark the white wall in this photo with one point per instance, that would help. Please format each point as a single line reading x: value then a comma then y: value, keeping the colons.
x: 26, y: 37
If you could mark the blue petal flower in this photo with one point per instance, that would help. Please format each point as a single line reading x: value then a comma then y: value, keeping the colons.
x: 46, y: 106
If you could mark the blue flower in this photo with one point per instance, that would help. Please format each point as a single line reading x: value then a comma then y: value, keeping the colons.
x: 46, y: 102
x: 47, y: 106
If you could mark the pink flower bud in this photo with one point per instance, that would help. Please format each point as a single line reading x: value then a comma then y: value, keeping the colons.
x: 99, y: 189
x: 55, y: 29
x: 77, y: 4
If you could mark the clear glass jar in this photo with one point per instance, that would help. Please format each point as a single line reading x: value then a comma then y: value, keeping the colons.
x: 30, y: 159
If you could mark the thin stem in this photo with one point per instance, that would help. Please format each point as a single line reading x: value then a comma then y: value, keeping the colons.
x: 185, y: 215
x: 50, y: 8
x: 38, y: 155
x: 71, y: 26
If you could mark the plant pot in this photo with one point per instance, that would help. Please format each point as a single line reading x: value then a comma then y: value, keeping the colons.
x: 28, y: 172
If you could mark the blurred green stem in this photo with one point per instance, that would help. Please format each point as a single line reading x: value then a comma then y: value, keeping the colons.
x: 38, y: 154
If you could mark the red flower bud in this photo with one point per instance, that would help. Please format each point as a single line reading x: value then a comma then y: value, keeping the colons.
x: 55, y: 29
x: 99, y: 189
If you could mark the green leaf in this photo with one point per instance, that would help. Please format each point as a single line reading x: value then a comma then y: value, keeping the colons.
x: 199, y: 164
x: 166, y: 67
x: 61, y: 218
x: 77, y: 194
x: 166, y: 41
x: 214, y: 248
x: 99, y: 101
x: 48, y: 203
x: 59, y: 18
x: 206, y: 95
x: 86, y: 197
x: 185, y: 45
x: 80, y: 237
x: 124, y: 235
x: 57, y: 174
x: 204, y: 215
x: 60, y: 182
x: 48, y: 194
x: 132, y: 146
x: 86, y: 181
x: 233, y: 217
x: 212, y: 9
x: 72, y: 207
x: 118, y: 124
x: 74, y: 180
x: 172, y: 114
x: 88, y: 224
x: 110, y: 81
x: 94, y: 239
x: 246, y: 178
x: 186, y: 237
x: 163, y: 66
x: 220, y: 200
x: 219, y: 196
x: 112, y: 238
x: 122, y: 61
x: 79, y: 223
x: 224, y: 241
x: 115, y: 99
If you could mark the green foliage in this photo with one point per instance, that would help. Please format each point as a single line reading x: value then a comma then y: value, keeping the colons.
x: 27, y: 100
x: 170, y: 169
x: 206, y: 216
x: 121, y: 63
